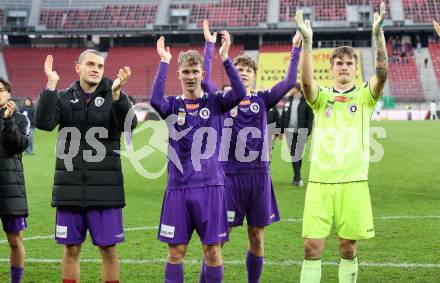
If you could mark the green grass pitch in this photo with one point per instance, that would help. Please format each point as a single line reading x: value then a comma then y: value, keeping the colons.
x: 405, y: 191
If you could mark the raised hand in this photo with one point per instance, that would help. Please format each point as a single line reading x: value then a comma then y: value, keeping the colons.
x: 10, y: 106
x: 208, y: 36
x: 52, y: 76
x: 378, y: 19
x: 296, y: 40
x: 121, y: 80
x: 164, y: 53
x: 305, y: 29
x: 436, y: 27
x: 226, y: 44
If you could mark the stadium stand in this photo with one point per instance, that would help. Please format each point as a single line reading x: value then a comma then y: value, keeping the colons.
x: 110, y: 16
x: 403, y: 74
x: 2, y: 17
x: 422, y: 11
x: 25, y: 68
x: 144, y: 61
x: 331, y: 10
x: 434, y: 49
x: 227, y: 13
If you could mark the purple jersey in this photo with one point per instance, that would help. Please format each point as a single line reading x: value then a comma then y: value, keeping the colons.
x: 194, y: 142
x: 249, y: 148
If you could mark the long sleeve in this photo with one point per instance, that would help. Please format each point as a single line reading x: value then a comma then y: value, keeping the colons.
x: 207, y: 84
x: 48, y: 111
x: 233, y: 97
x: 280, y: 89
x: 160, y: 103
x: 15, y: 131
x: 120, y: 110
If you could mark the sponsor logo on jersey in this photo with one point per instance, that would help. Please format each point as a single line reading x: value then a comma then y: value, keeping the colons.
x: 204, y: 113
x: 99, y: 101
x: 167, y: 231
x: 234, y: 112
x: 74, y: 100
x: 245, y: 102
x: 339, y: 98
x: 192, y: 106
x: 181, y: 117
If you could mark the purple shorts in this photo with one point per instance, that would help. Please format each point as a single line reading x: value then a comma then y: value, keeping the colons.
x: 104, y: 225
x: 13, y: 224
x: 251, y: 195
x: 200, y: 209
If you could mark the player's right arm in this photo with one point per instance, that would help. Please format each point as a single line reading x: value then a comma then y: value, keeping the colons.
x: 309, y: 85
x: 233, y: 97
x: 207, y: 84
x: 48, y: 110
x: 157, y: 100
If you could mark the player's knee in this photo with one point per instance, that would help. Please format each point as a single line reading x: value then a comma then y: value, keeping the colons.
x: 347, y: 249
x: 108, y: 252
x: 312, y: 249
x: 15, y: 241
x: 72, y: 251
x: 212, y: 254
x: 176, y: 253
x: 256, y: 237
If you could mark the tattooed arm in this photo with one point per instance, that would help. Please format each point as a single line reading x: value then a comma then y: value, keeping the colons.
x: 377, y: 82
x: 306, y: 63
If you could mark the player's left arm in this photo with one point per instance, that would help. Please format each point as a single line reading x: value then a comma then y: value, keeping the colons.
x: 210, y: 39
x: 233, y: 97
x: 280, y: 89
x: 15, y: 131
x: 377, y: 82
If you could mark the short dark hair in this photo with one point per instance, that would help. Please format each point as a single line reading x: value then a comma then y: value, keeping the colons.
x: 342, y: 51
x: 85, y: 52
x: 5, y: 84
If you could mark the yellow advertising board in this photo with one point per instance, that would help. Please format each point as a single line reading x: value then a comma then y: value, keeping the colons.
x: 272, y: 67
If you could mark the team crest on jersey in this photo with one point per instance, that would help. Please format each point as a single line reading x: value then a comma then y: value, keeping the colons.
x: 255, y: 107
x: 99, y: 101
x: 204, y: 113
x: 181, y: 117
x: 353, y: 108
x: 234, y: 112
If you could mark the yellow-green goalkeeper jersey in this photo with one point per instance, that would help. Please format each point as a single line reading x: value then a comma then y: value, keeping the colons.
x: 340, y: 145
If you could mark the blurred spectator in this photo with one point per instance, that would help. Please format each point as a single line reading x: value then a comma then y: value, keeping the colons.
x: 28, y: 110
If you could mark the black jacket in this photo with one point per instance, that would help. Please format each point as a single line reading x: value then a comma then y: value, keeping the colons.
x: 13, y: 141
x: 305, y: 115
x: 80, y: 182
x: 274, y: 117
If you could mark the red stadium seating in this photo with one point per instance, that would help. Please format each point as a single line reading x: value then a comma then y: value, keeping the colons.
x: 144, y: 61
x: 227, y: 13
x: 26, y: 73
x: 111, y: 16
x: 434, y: 49
x: 330, y: 10
x: 404, y: 80
x: 422, y: 11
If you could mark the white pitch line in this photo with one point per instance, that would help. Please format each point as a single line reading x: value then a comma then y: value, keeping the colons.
x: 399, y: 265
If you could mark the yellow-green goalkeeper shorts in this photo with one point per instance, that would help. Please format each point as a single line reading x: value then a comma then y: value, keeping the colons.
x: 348, y: 204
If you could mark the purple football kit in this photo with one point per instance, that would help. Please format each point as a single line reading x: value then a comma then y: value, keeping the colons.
x: 248, y: 184
x: 194, y: 197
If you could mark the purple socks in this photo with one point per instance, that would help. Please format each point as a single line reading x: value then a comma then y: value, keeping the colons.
x: 213, y: 274
x: 173, y: 273
x: 254, y: 265
x: 16, y: 274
